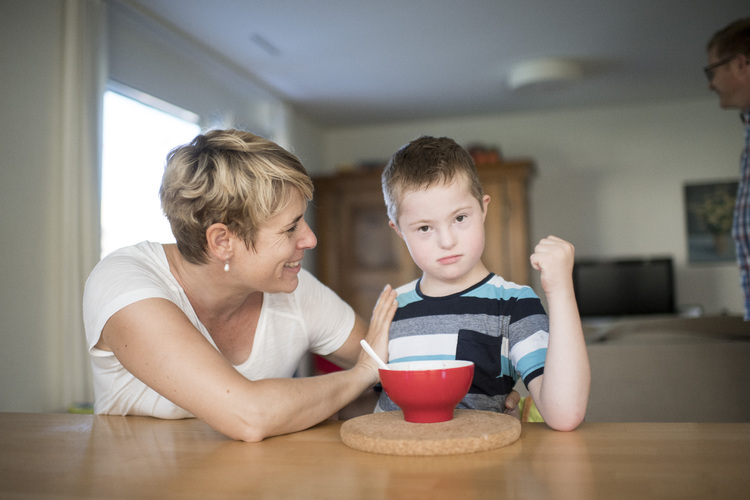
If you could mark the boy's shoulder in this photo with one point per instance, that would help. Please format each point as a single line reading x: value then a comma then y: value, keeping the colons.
x: 493, y: 284
x: 406, y: 294
x: 496, y: 286
x: 408, y: 287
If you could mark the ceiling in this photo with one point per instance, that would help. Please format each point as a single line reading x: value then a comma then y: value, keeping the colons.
x: 347, y: 62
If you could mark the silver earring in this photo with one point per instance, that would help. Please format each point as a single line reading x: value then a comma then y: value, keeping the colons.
x: 226, y: 266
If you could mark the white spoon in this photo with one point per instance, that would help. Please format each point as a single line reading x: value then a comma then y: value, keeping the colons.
x: 373, y: 355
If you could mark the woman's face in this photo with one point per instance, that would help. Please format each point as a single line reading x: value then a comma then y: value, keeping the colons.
x: 273, y: 265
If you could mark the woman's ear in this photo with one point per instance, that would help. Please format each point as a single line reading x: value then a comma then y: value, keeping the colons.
x: 219, y: 241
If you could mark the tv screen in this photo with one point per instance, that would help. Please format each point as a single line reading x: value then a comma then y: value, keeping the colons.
x: 606, y: 288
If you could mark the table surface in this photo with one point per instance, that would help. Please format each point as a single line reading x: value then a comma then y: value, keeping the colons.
x: 84, y: 456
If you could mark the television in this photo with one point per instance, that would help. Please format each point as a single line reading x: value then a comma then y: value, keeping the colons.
x: 624, y: 287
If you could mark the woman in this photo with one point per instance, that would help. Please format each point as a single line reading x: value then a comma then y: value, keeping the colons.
x: 215, y: 325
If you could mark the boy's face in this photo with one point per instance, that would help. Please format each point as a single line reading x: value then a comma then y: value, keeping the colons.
x: 443, y: 227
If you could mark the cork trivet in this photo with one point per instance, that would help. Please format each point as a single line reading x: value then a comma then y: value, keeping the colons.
x: 470, y: 431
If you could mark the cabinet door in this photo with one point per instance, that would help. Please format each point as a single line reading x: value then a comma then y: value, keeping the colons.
x: 506, y: 251
x: 358, y: 252
x: 372, y: 253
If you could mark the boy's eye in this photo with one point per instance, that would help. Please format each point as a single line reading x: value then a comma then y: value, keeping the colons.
x: 423, y: 229
x: 460, y: 218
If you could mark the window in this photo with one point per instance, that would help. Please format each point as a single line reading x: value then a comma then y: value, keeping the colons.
x: 138, y: 133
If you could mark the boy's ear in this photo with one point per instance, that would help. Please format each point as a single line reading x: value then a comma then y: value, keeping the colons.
x: 219, y: 241
x: 485, y: 201
x: 395, y: 228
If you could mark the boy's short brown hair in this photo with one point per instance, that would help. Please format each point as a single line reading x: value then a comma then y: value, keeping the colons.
x: 422, y: 163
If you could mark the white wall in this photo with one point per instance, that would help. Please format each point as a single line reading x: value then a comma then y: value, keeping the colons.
x: 147, y: 57
x: 29, y: 144
x: 610, y: 180
x: 142, y: 54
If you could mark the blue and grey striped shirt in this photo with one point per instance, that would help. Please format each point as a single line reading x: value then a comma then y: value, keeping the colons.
x: 500, y: 326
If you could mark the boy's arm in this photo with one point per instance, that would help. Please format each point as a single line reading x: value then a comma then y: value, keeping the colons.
x: 562, y: 393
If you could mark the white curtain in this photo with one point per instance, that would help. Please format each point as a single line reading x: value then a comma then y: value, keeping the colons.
x: 74, y: 234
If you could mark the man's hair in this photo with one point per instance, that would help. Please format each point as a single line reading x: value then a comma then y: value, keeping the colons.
x: 230, y: 177
x: 732, y: 39
x: 425, y: 162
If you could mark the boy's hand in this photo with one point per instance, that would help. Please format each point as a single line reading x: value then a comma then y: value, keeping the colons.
x: 511, y: 404
x: 554, y: 257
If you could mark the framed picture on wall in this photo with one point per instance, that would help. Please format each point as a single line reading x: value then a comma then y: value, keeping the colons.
x: 709, y: 209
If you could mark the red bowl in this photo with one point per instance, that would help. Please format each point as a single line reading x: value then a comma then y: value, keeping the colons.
x: 427, y: 391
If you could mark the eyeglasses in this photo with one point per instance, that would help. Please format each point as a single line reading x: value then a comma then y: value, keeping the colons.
x: 711, y: 68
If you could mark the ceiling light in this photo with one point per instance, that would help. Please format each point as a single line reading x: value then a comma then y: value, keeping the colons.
x: 551, y: 72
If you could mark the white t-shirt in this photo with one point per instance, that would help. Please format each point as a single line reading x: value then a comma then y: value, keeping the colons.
x: 310, y: 319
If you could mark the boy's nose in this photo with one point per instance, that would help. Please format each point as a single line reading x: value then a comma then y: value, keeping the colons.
x: 446, y: 239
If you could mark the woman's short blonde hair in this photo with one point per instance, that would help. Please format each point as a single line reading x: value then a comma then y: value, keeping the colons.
x: 231, y: 177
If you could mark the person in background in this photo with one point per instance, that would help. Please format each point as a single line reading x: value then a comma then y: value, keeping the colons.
x: 458, y: 309
x: 215, y: 326
x: 728, y: 73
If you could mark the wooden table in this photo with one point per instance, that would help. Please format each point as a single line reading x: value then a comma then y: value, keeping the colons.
x: 85, y: 456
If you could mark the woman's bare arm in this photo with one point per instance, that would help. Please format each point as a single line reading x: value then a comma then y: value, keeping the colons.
x: 156, y: 342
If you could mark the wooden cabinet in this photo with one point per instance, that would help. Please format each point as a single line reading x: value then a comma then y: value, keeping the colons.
x: 358, y: 253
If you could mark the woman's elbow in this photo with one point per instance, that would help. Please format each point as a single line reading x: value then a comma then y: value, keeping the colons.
x: 241, y: 429
x: 251, y: 437
x: 248, y: 434
x: 565, y: 423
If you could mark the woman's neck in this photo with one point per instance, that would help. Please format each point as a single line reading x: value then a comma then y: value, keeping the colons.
x: 208, y: 288
x: 229, y: 314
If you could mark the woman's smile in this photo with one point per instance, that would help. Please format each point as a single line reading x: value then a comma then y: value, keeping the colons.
x: 293, y: 266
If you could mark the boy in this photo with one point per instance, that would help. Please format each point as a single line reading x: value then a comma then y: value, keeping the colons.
x: 460, y: 310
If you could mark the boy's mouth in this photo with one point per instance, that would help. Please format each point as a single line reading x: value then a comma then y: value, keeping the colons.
x: 450, y: 259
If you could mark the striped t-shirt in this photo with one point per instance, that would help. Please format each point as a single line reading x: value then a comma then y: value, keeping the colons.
x: 500, y: 326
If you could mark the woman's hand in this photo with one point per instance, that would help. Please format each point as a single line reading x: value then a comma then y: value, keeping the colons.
x: 380, y: 323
